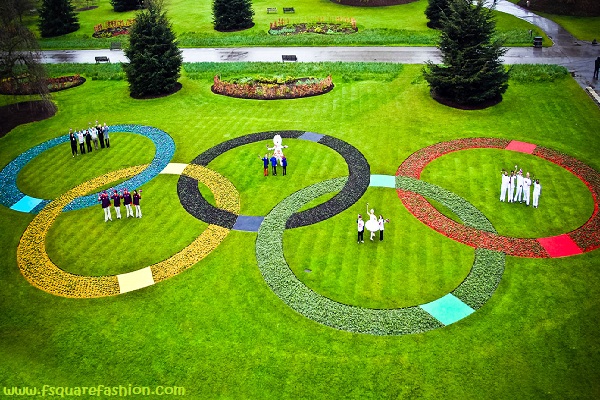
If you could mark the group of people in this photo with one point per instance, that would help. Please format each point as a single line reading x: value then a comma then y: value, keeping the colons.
x: 273, y: 160
x: 517, y: 187
x: 276, y: 156
x: 116, y: 197
x: 82, y: 139
x: 372, y: 225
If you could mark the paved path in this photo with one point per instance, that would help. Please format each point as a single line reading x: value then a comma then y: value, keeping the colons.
x: 577, y: 56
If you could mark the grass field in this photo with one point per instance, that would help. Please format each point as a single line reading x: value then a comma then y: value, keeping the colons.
x: 378, y: 26
x: 219, y: 331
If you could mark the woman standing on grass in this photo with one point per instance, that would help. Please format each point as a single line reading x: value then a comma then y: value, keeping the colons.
x: 136, y: 203
x: 372, y: 224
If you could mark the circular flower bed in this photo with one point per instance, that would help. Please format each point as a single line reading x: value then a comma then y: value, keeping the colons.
x: 372, y: 3
x: 112, y: 28
x: 22, y: 87
x: 272, y: 88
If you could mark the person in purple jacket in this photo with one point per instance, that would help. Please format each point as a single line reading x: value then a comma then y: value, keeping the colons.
x: 284, y: 165
x: 127, y: 201
x: 136, y: 203
x: 116, y: 197
x: 105, y: 201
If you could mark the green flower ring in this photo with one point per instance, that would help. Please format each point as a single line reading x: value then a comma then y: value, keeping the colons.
x: 470, y: 295
x: 583, y: 239
x: 41, y: 272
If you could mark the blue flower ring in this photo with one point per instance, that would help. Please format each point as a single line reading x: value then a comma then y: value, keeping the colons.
x: 470, y: 295
x: 12, y: 197
x: 357, y: 183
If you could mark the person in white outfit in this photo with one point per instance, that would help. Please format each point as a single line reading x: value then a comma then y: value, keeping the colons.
x: 361, y: 229
x: 372, y: 224
x: 511, y: 186
x: 526, y: 191
x: 504, y: 186
x: 519, y: 195
x: 537, y: 191
x: 381, y: 223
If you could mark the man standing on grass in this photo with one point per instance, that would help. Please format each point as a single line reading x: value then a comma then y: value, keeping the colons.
x: 361, y: 229
x: 117, y: 203
x: 526, y: 185
x: 127, y: 201
x: 105, y: 201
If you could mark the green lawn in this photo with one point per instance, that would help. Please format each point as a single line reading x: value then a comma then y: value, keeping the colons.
x: 219, y: 331
x: 378, y: 26
x: 583, y: 28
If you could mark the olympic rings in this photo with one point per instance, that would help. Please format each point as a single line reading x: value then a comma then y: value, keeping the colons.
x: 470, y: 295
x: 41, y: 272
x: 583, y: 239
x: 358, y: 181
x: 12, y: 197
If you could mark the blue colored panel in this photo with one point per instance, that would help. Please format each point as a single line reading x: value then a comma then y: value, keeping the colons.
x: 313, y: 137
x: 383, y: 181
x: 447, y: 309
x: 26, y: 204
x: 247, y: 223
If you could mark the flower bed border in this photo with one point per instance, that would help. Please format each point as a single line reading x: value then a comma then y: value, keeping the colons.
x: 474, y: 291
x: 271, y: 92
x: 37, y: 267
x: 57, y: 84
x: 358, y: 182
x: 10, y: 193
x: 586, y: 237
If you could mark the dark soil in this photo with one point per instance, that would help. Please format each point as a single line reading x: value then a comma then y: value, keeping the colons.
x: 176, y: 89
x: 372, y: 3
x: 459, y: 106
x: 54, y: 88
x: 25, y: 112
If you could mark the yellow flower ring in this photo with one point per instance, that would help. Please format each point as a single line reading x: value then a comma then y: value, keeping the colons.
x: 41, y: 272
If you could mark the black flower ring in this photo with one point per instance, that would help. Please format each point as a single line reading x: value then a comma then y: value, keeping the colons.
x: 359, y: 173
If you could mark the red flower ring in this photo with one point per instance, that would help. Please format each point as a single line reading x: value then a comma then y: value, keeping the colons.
x: 583, y: 239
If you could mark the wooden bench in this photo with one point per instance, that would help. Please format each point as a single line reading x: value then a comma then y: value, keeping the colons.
x: 271, y: 10
x: 115, y: 45
x: 100, y: 59
x: 289, y: 57
x: 288, y: 10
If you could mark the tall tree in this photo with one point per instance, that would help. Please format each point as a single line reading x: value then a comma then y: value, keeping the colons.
x: 155, y: 59
x: 57, y: 17
x: 434, y: 12
x: 232, y: 15
x: 471, y: 72
x: 126, y: 5
x: 20, y: 69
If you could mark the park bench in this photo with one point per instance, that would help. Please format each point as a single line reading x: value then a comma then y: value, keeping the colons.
x: 537, y: 42
x: 288, y: 10
x: 289, y: 57
x: 100, y: 59
x: 115, y: 45
x: 271, y: 10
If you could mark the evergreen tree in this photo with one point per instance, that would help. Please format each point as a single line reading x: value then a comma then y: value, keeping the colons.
x: 434, y: 12
x: 232, y: 15
x: 155, y: 59
x: 57, y: 17
x: 471, y: 72
x: 125, y: 5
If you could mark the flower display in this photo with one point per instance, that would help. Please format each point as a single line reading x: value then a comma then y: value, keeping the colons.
x: 587, y: 237
x: 41, y: 272
x: 262, y: 89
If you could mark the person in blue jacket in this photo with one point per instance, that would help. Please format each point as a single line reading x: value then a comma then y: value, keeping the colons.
x: 284, y: 164
x: 274, y: 164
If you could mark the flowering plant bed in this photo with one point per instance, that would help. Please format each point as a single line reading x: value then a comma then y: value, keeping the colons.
x: 7, y: 86
x: 339, y: 26
x: 272, y: 88
x: 372, y: 3
x: 112, y: 28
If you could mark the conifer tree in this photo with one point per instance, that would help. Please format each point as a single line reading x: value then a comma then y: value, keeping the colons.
x: 434, y: 12
x: 232, y: 15
x: 471, y: 72
x: 155, y: 59
x: 57, y: 17
x: 125, y: 5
